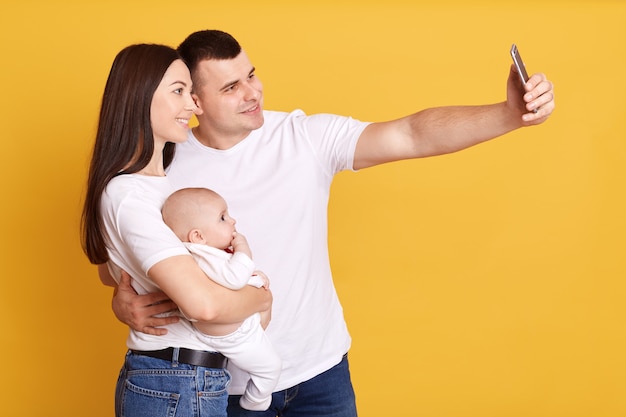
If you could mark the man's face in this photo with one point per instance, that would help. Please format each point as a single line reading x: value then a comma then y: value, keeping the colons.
x: 230, y: 98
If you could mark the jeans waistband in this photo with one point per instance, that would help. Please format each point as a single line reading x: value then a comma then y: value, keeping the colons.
x: 188, y: 356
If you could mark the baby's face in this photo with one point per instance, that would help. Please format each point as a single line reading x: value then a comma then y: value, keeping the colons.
x: 218, y: 226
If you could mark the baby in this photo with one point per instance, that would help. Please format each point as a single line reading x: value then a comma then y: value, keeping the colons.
x: 199, y: 217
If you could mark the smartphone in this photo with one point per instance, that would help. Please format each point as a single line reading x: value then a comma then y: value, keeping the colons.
x: 519, y: 64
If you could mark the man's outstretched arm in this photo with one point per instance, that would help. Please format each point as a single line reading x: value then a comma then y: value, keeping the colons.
x: 443, y: 130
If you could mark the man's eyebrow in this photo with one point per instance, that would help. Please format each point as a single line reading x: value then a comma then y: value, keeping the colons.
x: 231, y: 83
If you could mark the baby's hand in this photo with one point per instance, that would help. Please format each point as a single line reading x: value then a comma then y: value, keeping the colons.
x: 238, y: 240
x: 263, y: 277
x: 240, y: 244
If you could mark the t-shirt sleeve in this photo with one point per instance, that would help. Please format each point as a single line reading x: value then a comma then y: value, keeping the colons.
x: 138, y: 237
x: 333, y: 139
x: 142, y: 228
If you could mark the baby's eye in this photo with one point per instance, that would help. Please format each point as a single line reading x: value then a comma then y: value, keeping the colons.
x: 222, y: 218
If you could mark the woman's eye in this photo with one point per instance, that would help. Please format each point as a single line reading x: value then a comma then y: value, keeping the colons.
x: 178, y: 91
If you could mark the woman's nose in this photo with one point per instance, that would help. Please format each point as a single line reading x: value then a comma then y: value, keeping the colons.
x: 191, y: 105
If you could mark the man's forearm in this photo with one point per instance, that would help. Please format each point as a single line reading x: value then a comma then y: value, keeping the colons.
x: 443, y: 130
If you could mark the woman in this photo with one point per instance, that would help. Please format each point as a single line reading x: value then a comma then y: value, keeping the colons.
x: 146, y: 107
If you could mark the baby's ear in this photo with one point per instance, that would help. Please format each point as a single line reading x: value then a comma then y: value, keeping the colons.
x: 196, y: 236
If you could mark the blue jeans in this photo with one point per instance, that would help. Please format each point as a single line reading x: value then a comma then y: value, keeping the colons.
x: 150, y: 387
x: 329, y: 394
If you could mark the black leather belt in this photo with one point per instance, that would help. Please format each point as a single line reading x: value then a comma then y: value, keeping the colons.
x: 188, y: 356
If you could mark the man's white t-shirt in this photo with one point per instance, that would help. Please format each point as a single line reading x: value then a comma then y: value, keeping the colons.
x: 276, y: 183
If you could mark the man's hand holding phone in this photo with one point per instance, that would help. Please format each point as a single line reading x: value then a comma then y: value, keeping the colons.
x: 519, y: 65
x: 521, y: 68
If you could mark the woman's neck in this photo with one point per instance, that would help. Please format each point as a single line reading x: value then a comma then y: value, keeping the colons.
x: 155, y: 166
x: 152, y: 172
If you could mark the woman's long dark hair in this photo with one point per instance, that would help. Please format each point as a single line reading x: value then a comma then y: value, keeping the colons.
x: 124, y: 140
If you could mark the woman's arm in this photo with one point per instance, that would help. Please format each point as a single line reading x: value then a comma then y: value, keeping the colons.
x: 201, y: 299
x: 105, y: 276
x: 223, y: 305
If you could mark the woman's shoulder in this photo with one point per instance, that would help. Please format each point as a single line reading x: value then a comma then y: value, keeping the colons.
x: 153, y: 190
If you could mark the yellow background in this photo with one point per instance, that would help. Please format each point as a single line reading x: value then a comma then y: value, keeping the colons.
x: 484, y: 283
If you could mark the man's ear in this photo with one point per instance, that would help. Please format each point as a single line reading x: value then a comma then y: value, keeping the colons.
x: 196, y: 100
x: 196, y: 236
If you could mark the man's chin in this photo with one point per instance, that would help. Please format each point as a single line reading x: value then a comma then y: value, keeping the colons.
x: 258, y: 122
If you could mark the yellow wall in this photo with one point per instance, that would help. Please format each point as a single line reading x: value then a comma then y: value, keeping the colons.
x: 485, y: 283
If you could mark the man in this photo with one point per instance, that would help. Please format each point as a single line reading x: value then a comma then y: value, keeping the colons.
x: 275, y: 170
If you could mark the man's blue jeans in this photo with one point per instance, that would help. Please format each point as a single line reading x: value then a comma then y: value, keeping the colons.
x: 329, y: 394
x: 150, y: 387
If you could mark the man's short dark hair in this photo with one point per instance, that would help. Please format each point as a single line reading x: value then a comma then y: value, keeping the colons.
x: 208, y: 44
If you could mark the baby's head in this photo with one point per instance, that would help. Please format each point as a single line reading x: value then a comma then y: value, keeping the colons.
x: 199, y: 215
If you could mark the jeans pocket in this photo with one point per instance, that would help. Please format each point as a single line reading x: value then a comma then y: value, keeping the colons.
x: 215, y: 381
x: 213, y: 400
x: 144, y: 402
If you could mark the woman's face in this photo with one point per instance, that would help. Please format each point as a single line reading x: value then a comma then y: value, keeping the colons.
x: 172, y: 106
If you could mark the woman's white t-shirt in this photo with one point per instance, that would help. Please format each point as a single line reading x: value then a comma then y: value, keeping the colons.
x: 138, y: 237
